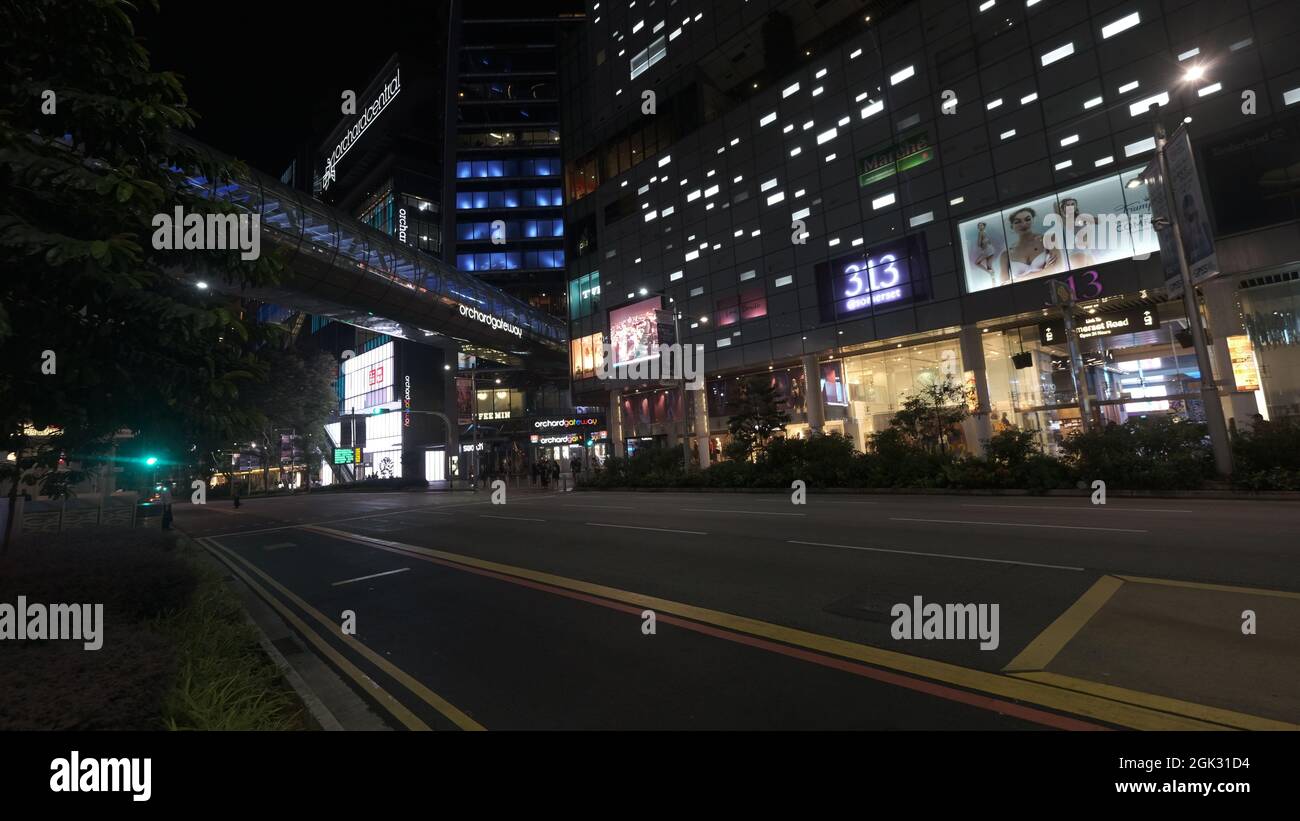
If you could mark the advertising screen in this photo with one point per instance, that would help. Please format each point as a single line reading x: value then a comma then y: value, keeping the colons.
x: 368, y: 378
x: 832, y: 378
x: 883, y: 276
x: 634, y: 330
x: 1070, y: 230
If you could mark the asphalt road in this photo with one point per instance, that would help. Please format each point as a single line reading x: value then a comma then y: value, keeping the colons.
x: 533, y: 614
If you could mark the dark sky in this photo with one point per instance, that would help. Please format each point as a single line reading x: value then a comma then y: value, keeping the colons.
x: 256, y: 72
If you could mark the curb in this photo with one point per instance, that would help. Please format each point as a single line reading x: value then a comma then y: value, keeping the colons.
x: 1257, y: 496
x: 262, y: 618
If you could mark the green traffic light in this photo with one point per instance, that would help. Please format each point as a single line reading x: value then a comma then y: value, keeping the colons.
x: 151, y: 461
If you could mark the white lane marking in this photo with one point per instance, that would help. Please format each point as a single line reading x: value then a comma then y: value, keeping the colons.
x: 1089, y: 507
x: 603, y: 507
x: 511, y: 518
x: 349, y: 519
x: 371, y: 576
x: 1017, y: 524
x: 746, y: 512
x: 278, y: 545
x: 659, y: 529
x: 939, y: 555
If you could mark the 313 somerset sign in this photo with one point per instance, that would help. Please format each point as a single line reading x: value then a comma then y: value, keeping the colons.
x: 1095, y: 325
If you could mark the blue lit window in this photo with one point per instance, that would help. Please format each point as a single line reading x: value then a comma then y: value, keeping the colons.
x: 463, y: 170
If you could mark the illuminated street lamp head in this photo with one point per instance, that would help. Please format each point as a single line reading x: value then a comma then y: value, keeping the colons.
x: 151, y: 460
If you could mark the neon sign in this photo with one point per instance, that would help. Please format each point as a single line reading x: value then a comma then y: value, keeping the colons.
x: 368, y: 116
x: 892, y: 273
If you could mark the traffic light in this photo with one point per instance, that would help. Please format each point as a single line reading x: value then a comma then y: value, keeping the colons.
x: 151, y: 460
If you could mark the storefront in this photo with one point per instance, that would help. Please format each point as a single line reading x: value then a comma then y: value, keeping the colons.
x: 582, y: 436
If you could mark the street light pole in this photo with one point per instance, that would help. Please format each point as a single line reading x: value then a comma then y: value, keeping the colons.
x: 1214, y: 420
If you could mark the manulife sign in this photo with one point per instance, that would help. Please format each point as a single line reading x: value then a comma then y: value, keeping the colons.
x: 909, y: 152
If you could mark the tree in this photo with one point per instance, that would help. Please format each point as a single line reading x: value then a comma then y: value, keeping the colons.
x: 759, y: 414
x: 931, y: 413
x: 99, y: 331
x: 298, y: 400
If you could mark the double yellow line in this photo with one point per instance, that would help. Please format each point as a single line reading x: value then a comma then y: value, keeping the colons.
x: 242, y: 568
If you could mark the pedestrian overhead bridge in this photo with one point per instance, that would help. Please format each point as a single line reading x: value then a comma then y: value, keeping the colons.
x: 339, y: 267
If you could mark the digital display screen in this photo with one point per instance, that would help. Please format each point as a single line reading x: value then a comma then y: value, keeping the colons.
x: 877, y: 278
x: 634, y: 330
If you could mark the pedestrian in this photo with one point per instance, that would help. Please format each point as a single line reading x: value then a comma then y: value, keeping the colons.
x: 575, y: 465
x: 544, y: 473
x: 534, y: 472
x: 555, y: 472
x: 234, y: 492
x: 166, y: 499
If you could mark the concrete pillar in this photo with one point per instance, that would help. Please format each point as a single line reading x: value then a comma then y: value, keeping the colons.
x: 813, y: 394
x: 700, y: 401
x: 979, y: 429
x: 1221, y: 311
x: 616, y: 424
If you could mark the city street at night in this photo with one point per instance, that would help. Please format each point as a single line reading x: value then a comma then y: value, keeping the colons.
x: 665, y: 387
x: 772, y: 615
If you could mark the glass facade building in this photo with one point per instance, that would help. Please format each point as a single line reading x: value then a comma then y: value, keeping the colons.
x: 873, y: 185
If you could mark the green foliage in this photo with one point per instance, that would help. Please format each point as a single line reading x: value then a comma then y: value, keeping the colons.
x: 930, y: 414
x: 223, y: 681
x: 1155, y: 454
x: 648, y: 467
x: 1268, y: 457
x: 759, y: 415
x: 137, y: 346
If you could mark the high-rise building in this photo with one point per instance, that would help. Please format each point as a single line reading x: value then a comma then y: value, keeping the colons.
x: 507, y: 224
x: 856, y: 201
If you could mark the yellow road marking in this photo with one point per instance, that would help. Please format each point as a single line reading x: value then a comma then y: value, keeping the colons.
x: 409, y: 719
x: 446, y: 708
x: 1220, y: 588
x: 1017, y: 689
x: 1228, y: 718
x: 1040, y: 652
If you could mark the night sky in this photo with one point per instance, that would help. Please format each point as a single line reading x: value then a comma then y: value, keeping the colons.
x: 259, y: 72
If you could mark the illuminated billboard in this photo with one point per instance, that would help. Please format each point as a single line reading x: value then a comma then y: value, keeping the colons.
x: 585, y: 354
x: 368, y: 379
x: 1070, y: 230
x: 634, y: 331
x: 884, y: 276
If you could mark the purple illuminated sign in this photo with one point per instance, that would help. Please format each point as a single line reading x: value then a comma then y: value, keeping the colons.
x: 881, y: 277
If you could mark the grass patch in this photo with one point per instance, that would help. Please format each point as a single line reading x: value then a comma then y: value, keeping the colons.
x: 224, y: 680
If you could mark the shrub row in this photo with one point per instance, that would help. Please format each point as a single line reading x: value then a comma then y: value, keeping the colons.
x: 1154, y: 454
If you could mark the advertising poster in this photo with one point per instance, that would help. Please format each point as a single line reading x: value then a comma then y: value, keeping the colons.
x: 1189, y: 208
x: 1245, y: 370
x: 1071, y: 230
x: 464, y: 400
x: 833, y: 389
x: 586, y: 353
x: 634, y: 331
